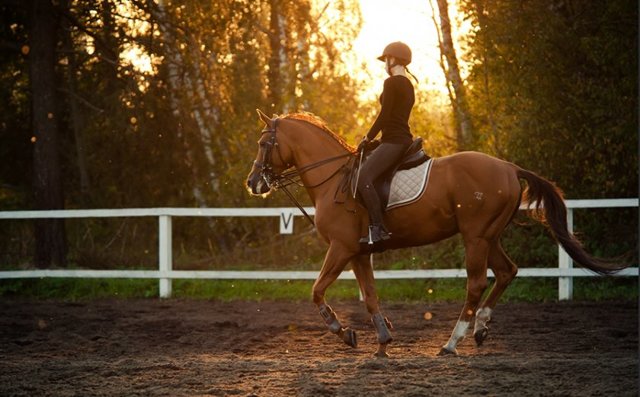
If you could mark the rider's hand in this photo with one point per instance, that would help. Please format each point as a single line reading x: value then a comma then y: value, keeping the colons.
x: 363, y: 144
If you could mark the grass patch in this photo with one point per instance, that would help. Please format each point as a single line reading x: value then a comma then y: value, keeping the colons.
x: 598, y: 289
x: 74, y: 289
x: 426, y: 290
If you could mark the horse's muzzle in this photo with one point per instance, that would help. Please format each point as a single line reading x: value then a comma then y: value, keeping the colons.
x: 256, y: 184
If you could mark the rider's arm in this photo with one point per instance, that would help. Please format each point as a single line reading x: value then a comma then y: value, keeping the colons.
x: 388, y: 96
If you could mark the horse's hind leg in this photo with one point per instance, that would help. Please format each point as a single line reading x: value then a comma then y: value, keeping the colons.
x: 335, y: 261
x: 477, y: 251
x: 505, y: 271
x: 364, y: 274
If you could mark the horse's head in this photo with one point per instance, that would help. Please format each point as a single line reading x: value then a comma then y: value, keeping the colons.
x: 272, y: 159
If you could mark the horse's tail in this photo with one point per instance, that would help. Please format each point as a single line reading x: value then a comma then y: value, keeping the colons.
x: 549, y: 208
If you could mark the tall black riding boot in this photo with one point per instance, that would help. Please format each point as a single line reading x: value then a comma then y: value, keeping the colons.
x: 377, y: 231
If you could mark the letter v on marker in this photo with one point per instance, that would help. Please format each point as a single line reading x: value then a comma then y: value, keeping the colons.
x: 286, y: 222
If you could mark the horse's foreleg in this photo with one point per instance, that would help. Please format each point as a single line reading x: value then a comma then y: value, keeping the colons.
x: 477, y: 250
x: 334, y: 263
x: 505, y: 271
x: 363, y: 270
x: 347, y: 335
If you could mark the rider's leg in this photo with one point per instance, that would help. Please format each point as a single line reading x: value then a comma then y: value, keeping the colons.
x: 378, y: 162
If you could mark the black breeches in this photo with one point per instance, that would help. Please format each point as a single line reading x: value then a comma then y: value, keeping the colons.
x: 379, y: 161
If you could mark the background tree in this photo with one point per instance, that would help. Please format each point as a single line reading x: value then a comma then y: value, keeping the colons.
x: 555, y: 91
x: 455, y: 85
x: 157, y: 101
x: 47, y: 184
x: 553, y: 88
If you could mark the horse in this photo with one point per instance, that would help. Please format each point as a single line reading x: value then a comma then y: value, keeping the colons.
x: 469, y: 193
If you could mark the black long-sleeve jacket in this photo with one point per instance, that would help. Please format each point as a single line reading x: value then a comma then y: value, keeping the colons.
x: 397, y: 100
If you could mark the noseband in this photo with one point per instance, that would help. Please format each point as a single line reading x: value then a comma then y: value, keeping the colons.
x: 286, y: 178
x: 265, y: 165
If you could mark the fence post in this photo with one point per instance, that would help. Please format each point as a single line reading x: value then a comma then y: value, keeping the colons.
x: 165, y: 255
x: 565, y: 284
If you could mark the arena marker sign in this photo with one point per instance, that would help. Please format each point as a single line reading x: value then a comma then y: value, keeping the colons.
x: 286, y: 222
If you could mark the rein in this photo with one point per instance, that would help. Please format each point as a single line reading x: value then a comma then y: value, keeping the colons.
x: 286, y: 178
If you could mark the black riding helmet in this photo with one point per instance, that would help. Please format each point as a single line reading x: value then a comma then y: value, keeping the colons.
x: 399, y: 51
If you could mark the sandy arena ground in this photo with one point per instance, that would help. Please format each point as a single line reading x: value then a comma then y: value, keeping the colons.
x: 208, y: 348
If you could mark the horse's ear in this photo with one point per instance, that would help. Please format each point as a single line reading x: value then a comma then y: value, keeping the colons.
x: 265, y: 119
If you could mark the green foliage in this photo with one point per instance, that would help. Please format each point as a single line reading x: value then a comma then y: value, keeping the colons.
x: 447, y: 254
x: 180, y: 131
x: 174, y: 125
x: 555, y: 90
x: 529, y: 243
x: 15, y: 143
x: 433, y: 124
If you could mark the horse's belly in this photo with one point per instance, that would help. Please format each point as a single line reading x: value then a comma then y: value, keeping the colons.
x: 421, y: 223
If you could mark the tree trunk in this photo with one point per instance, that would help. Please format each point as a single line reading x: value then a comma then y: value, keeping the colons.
x: 452, y: 74
x: 76, y: 115
x: 278, y: 57
x: 207, y: 116
x: 47, y: 186
x: 173, y: 60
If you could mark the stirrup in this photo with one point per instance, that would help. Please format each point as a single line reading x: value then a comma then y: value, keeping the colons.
x: 377, y: 233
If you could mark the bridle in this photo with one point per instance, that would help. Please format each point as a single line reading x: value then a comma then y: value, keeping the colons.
x: 265, y: 165
x: 287, y: 178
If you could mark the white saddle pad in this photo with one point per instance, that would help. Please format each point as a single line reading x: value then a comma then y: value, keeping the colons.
x: 408, y: 186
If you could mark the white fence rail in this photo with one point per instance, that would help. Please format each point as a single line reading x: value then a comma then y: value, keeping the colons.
x: 165, y: 273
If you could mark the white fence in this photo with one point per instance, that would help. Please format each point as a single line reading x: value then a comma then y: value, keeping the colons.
x: 565, y: 272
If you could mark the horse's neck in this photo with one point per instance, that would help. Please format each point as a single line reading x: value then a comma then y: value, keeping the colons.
x: 315, y: 150
x: 313, y: 146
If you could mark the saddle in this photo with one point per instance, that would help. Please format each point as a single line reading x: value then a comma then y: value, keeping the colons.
x: 413, y: 157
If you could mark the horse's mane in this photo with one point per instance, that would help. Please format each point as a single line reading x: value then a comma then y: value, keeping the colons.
x: 318, y: 122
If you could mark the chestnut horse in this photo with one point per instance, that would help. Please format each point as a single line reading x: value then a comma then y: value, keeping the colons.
x: 469, y: 193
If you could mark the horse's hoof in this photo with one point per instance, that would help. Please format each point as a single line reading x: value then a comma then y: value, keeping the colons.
x: 480, y: 336
x: 381, y: 353
x: 446, y: 352
x: 349, y: 337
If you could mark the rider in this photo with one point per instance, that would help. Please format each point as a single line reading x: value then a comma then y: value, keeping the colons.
x: 396, y: 101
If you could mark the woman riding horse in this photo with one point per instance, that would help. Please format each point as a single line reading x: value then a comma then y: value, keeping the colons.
x: 396, y: 101
x: 469, y: 193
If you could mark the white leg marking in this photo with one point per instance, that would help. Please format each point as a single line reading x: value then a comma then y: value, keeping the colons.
x: 483, y: 316
x: 458, y: 334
